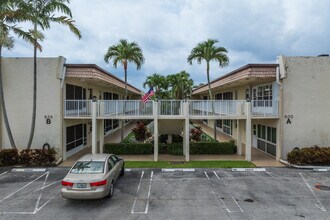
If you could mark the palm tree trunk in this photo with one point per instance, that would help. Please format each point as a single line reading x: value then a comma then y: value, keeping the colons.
x: 3, y: 107
x: 122, y: 121
x: 34, y: 108
x: 211, y: 98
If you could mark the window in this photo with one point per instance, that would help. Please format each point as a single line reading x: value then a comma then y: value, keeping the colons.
x: 114, y: 158
x: 111, y: 163
x: 75, y: 92
x: 247, y: 94
x: 264, y: 94
x: 266, y: 139
x: 76, y: 136
x: 88, y: 167
x: 227, y: 126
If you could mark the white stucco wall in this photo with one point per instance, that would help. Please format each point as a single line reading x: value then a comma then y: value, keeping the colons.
x: 306, y: 89
x: 18, y: 90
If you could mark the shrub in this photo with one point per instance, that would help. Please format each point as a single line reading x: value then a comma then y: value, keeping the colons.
x: 141, y: 132
x: 175, y: 148
x: 212, y: 148
x: 162, y: 148
x: 43, y: 156
x: 314, y: 155
x: 196, y: 134
x: 204, y: 148
x: 129, y: 148
x: 8, y: 157
x: 25, y: 157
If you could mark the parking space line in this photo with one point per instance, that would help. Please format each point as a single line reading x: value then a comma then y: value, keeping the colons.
x: 319, y: 205
x: 148, y: 199
x: 272, y: 174
x: 231, y: 195
x: 44, y: 187
x: 206, y: 175
x: 2, y: 174
x: 137, y: 192
x: 148, y: 195
x: 38, y: 209
x: 221, y: 199
x: 26, y: 185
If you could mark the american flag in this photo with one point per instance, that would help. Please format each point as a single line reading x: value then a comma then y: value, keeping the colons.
x: 146, y: 96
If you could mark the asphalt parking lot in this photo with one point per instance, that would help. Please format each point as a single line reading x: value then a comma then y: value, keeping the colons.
x: 272, y: 193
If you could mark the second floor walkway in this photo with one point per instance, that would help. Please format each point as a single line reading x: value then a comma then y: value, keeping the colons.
x: 171, y: 109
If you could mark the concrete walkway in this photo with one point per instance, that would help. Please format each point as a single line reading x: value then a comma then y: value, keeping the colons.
x: 259, y: 158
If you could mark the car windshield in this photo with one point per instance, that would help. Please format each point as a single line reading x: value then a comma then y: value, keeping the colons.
x: 88, y: 167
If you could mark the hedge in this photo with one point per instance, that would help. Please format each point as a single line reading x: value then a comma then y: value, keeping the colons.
x: 129, y: 148
x: 173, y: 149
x: 204, y: 148
x: 212, y: 148
x: 10, y: 157
x: 310, y: 156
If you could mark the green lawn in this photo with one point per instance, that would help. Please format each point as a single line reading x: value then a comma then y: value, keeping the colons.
x: 191, y: 164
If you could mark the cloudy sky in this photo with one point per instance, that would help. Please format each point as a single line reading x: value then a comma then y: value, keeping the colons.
x: 253, y: 31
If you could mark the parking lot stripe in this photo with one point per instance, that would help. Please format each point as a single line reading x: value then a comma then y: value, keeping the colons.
x: 207, y: 175
x: 3, y: 173
x: 26, y: 185
x: 137, y: 193
x: 148, y: 199
x: 221, y: 199
x: 44, y: 187
x: 272, y: 174
x: 319, y: 205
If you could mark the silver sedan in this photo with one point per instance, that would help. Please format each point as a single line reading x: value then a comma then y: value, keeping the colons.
x: 93, y: 177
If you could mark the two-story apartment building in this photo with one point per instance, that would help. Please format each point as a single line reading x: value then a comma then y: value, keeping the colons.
x: 269, y: 107
x: 61, y: 88
x: 289, y: 104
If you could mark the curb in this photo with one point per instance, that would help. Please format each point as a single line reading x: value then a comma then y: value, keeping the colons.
x: 315, y: 168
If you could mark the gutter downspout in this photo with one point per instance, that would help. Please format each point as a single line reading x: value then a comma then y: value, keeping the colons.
x: 280, y: 110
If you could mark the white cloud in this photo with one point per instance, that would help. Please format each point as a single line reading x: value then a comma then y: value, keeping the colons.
x: 253, y: 31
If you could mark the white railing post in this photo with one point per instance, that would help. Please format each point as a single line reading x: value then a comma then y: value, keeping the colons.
x: 94, y: 127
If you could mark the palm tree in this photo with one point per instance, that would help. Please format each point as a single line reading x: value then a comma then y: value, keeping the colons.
x: 125, y: 52
x: 159, y: 83
x: 10, y: 14
x: 181, y: 84
x: 208, y: 52
x: 42, y: 13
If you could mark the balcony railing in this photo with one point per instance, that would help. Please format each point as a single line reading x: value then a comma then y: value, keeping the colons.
x: 125, y: 108
x: 77, y: 108
x: 170, y: 107
x: 217, y: 107
x: 264, y: 108
x: 197, y: 108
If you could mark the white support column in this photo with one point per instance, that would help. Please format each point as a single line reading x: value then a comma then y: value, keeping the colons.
x: 248, y: 142
x: 278, y: 140
x: 239, y: 139
x: 94, y: 127
x: 184, y: 139
x: 155, y: 111
x: 186, y: 129
x: 101, y: 134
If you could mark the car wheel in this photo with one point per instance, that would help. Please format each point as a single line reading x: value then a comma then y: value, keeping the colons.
x: 122, y: 171
x: 111, y: 190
